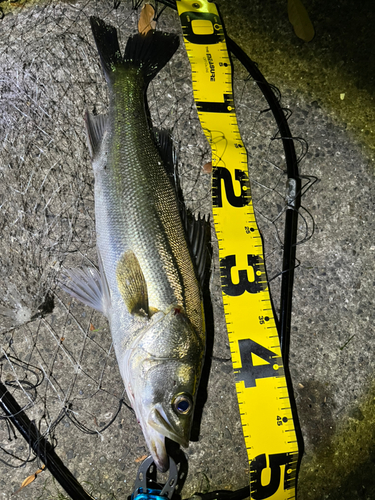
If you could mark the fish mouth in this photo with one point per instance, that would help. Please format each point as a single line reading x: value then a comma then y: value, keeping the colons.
x: 159, y: 422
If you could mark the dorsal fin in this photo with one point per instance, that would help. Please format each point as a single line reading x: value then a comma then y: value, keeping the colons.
x: 198, y: 235
x: 197, y: 229
x: 164, y: 142
x: 95, y: 128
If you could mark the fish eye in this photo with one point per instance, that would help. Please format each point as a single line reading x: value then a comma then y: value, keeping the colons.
x: 183, y: 404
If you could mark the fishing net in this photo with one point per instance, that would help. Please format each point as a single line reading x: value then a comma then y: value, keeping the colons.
x: 55, y: 354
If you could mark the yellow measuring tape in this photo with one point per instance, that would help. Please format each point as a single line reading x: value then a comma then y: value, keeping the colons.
x: 262, y: 391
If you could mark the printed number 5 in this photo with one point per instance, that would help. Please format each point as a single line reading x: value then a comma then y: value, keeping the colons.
x: 257, y: 466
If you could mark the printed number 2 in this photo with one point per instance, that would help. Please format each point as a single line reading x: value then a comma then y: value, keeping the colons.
x: 260, y: 491
x: 223, y: 174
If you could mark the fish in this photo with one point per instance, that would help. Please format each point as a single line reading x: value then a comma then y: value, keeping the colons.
x: 152, y: 252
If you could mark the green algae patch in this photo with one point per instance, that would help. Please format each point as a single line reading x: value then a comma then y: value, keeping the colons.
x: 335, y: 90
x: 336, y: 69
x: 344, y: 465
x: 15, y: 7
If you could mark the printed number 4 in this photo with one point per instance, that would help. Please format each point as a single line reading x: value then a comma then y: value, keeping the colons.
x: 248, y: 372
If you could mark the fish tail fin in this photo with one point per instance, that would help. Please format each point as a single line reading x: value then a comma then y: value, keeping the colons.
x: 148, y: 53
x: 108, y: 47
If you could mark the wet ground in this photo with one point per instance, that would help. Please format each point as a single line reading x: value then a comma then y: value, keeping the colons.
x: 328, y: 84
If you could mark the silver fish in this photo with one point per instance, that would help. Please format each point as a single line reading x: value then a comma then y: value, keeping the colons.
x: 147, y: 284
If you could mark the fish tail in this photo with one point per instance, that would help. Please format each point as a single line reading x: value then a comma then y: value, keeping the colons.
x: 108, y: 47
x: 148, y: 53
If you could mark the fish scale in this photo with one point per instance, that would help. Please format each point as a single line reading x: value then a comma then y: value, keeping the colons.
x: 138, y: 175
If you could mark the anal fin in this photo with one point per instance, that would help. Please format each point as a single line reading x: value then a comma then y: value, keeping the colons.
x: 95, y: 128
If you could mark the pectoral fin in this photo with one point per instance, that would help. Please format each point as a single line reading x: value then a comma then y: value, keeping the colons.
x: 86, y: 285
x: 132, y: 284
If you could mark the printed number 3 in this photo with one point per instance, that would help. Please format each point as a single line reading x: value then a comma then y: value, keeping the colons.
x: 244, y: 285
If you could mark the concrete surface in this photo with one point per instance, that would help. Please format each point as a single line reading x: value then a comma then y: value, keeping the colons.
x: 49, y: 74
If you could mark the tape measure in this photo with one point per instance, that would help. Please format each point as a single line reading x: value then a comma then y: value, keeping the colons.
x: 262, y: 390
